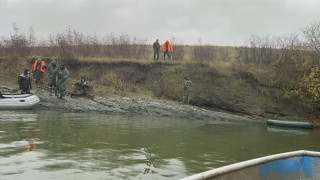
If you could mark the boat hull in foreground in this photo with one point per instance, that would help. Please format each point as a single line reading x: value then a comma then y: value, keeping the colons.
x: 291, y: 165
x: 18, y: 101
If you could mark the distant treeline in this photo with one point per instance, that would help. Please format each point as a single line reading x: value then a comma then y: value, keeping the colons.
x: 69, y: 44
x: 72, y: 44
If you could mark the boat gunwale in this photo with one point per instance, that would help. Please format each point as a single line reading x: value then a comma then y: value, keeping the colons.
x: 296, y: 124
x: 30, y: 101
x: 245, y: 164
x: 11, y: 96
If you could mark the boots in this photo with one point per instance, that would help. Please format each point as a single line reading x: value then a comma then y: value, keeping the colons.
x: 50, y: 91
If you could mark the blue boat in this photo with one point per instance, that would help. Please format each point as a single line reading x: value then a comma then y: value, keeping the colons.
x: 291, y: 165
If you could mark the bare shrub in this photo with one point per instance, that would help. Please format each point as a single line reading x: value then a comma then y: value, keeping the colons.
x: 258, y: 50
x: 203, y: 53
x: 19, y: 43
x: 224, y: 54
x: 312, y: 36
x: 178, y: 51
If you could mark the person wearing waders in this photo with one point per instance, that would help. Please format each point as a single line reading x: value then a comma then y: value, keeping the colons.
x: 63, y: 75
x: 52, y: 70
x: 187, y: 90
x: 167, y: 49
x: 156, y: 49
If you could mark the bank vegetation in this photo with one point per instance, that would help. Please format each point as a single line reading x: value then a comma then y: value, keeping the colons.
x: 267, y: 75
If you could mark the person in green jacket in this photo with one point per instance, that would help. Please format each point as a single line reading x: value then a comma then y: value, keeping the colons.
x: 63, y: 75
x: 52, y: 70
x: 156, y: 49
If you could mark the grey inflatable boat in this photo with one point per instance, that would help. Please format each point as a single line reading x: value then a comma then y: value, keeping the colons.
x: 18, y: 101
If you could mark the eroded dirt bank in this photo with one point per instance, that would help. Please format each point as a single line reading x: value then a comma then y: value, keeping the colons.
x: 114, y: 104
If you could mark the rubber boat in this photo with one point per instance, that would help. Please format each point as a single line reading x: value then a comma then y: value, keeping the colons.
x: 294, y: 124
x: 18, y: 101
x: 290, y: 165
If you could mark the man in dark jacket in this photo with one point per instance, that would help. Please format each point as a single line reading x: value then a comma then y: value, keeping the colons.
x: 156, y: 49
x: 25, y: 82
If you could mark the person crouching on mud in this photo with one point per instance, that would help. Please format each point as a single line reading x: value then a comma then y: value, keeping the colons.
x: 81, y: 88
x: 63, y: 75
x: 25, y: 82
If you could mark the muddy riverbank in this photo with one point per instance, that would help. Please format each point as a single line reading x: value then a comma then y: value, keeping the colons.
x: 115, y: 104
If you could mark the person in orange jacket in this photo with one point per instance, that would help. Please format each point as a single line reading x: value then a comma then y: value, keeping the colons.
x: 167, y: 49
x: 38, y: 70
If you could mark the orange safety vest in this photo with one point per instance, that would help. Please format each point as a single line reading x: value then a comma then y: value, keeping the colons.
x: 42, y: 68
x: 169, y: 47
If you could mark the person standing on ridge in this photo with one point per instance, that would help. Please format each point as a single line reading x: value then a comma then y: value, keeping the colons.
x: 156, y: 49
x: 167, y: 49
x: 63, y: 75
x: 53, y: 69
x: 187, y: 90
x: 25, y: 82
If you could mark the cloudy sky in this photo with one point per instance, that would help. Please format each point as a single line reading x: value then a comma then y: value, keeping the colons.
x: 218, y: 22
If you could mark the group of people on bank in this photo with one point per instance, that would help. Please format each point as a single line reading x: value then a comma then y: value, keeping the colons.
x: 58, y: 75
x: 166, y: 47
x: 57, y: 79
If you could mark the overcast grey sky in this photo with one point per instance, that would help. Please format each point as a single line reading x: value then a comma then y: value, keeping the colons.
x: 218, y: 22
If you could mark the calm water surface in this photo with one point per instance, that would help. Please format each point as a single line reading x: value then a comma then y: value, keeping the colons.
x: 56, y: 145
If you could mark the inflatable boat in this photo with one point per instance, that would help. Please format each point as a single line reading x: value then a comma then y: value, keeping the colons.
x: 18, y: 101
x: 290, y: 165
x: 293, y: 124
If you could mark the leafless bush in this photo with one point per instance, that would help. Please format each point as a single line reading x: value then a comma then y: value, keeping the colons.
x: 178, y: 51
x: 223, y: 54
x: 258, y: 50
x: 2, y: 49
x: 312, y: 39
x: 312, y: 35
x: 19, y: 43
x: 203, y: 53
x: 64, y: 46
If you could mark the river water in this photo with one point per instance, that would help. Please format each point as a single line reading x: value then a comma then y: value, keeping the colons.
x: 58, y: 145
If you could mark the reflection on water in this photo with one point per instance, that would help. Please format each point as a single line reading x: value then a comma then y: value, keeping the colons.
x: 287, y: 130
x: 57, y: 145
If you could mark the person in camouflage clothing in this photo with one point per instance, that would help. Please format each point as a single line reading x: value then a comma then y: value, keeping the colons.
x: 63, y: 75
x: 187, y: 90
x: 156, y: 50
x: 52, y: 70
x: 81, y: 88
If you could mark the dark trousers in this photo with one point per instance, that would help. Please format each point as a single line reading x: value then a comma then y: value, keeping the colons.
x: 164, y: 55
x: 25, y: 91
x: 156, y: 54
